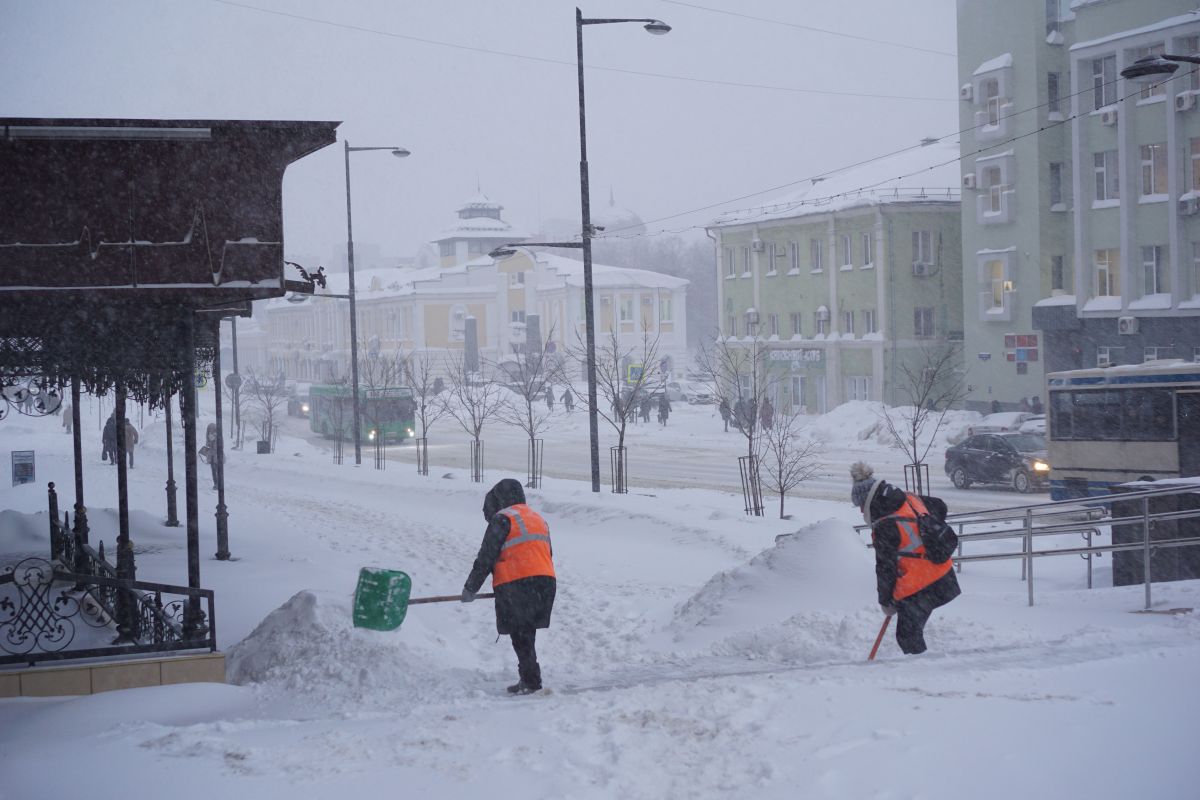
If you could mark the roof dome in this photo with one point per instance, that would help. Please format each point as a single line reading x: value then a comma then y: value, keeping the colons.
x: 617, y: 219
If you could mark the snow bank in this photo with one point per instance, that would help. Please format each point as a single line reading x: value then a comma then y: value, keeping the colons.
x: 863, y: 421
x: 309, y: 646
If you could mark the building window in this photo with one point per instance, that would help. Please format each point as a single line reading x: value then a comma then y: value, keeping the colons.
x: 1195, y: 158
x: 1053, y: 97
x: 1108, y: 273
x: 772, y: 254
x: 446, y: 249
x: 1153, y: 89
x: 991, y: 99
x: 1057, y: 276
x: 665, y: 312
x: 797, y: 391
x: 516, y: 279
x: 1108, y: 186
x: 518, y: 316
x: 999, y: 281
x: 458, y: 323
x: 923, y: 322
x: 733, y: 324
x: 922, y: 246
x: 868, y: 318
x: 1189, y: 46
x: 1104, y: 81
x: 1195, y: 268
x: 868, y: 248
x: 1154, y: 265
x: 848, y: 322
x: 993, y: 181
x: 822, y: 325
x: 626, y: 308
x: 730, y: 264
x: 1053, y: 17
x: 475, y: 247
x: 1154, y: 169
x: 845, y: 256
x: 745, y: 261
x: 793, y: 256
x: 857, y: 387
x: 816, y: 255
x: 1056, y: 184
x: 1155, y: 353
x: 1108, y: 356
x: 796, y: 329
x: 772, y: 324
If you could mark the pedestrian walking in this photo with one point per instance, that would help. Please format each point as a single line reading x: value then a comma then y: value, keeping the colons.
x: 68, y: 419
x: 568, y: 399
x: 647, y: 403
x: 664, y: 408
x: 517, y: 553
x: 725, y: 413
x: 909, y: 585
x: 131, y: 439
x: 211, y: 451
x: 549, y: 398
x: 766, y: 414
x: 108, y: 440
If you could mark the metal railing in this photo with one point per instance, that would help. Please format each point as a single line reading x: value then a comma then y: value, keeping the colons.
x: 1086, y: 517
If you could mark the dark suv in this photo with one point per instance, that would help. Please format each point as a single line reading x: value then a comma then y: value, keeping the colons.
x: 1015, y: 459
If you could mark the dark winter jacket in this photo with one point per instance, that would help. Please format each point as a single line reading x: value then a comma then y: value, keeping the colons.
x: 522, y: 605
x: 109, y: 438
x: 888, y: 500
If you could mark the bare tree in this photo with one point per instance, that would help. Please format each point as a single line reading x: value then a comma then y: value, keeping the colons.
x: 933, y: 384
x: 378, y: 372
x: 740, y: 378
x: 237, y: 409
x: 421, y: 374
x: 623, y: 375
x: 267, y: 396
x: 473, y: 402
x: 529, y: 375
x: 787, y: 457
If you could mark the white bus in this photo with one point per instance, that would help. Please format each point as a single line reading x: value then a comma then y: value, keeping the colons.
x: 1117, y: 424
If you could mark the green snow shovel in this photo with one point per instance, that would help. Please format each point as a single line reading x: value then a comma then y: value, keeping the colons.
x: 381, y: 598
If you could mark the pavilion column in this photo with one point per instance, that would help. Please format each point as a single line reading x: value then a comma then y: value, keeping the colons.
x: 222, y: 513
x: 81, y: 524
x: 126, y: 568
x: 193, y: 621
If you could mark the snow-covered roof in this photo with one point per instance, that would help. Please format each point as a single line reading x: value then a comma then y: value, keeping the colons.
x: 921, y: 174
x: 1169, y: 22
x: 993, y: 64
x: 608, y: 277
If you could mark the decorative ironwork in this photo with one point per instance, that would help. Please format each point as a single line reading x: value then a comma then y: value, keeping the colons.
x: 31, y: 396
x: 31, y: 615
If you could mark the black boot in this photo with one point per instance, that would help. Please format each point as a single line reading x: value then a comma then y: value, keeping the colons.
x: 531, y: 680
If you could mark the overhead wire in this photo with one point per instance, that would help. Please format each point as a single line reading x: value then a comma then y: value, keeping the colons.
x: 572, y: 64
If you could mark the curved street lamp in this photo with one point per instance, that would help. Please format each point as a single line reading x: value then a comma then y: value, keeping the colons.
x: 658, y: 28
x: 398, y: 152
x: 1156, y: 69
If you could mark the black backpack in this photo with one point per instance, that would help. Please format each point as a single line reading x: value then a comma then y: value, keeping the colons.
x: 937, y: 536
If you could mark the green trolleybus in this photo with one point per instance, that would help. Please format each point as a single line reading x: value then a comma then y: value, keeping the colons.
x: 1117, y: 424
x: 385, y: 414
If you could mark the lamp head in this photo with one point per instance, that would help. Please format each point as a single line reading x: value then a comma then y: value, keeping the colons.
x: 657, y: 27
x: 296, y: 297
x: 400, y: 152
x: 501, y: 253
x: 1150, y: 69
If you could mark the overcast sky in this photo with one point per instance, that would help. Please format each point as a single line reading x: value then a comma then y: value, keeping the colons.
x: 664, y: 145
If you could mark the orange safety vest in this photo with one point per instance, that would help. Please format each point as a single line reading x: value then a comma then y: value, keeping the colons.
x: 914, y: 571
x: 526, y: 551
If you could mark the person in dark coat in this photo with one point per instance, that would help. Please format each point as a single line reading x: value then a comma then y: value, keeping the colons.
x: 519, y: 562
x: 131, y: 439
x: 725, y: 413
x: 664, y: 408
x: 108, y: 440
x: 568, y: 400
x: 878, y: 499
x: 549, y: 398
x: 647, y: 403
x: 212, y: 452
x: 766, y: 414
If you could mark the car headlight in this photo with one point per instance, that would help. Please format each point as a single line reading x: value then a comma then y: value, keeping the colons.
x: 1040, y: 466
x: 371, y: 436
x: 304, y: 407
x: 410, y: 431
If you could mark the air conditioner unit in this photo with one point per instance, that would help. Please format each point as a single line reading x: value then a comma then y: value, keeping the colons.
x: 921, y: 269
x: 1185, y: 102
x: 966, y: 92
x: 1189, y: 206
x: 758, y: 246
x: 969, y: 180
x: 1127, y: 325
x: 1108, y: 117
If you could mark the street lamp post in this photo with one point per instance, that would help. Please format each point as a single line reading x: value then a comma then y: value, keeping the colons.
x: 1156, y: 69
x: 398, y: 152
x: 658, y: 28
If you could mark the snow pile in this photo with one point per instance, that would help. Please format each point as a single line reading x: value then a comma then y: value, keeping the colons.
x: 309, y: 646
x: 863, y: 421
x: 807, y: 599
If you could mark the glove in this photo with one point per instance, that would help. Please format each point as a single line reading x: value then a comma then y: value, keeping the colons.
x: 888, y: 609
x: 467, y: 595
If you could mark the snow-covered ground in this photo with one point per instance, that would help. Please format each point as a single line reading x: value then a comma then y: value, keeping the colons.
x: 694, y: 652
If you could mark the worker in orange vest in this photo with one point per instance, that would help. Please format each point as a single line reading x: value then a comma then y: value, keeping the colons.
x: 909, y: 585
x: 516, y: 552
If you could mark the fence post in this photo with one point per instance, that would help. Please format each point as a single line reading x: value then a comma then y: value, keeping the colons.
x: 620, y: 470
x: 55, y: 543
x: 1146, y: 547
x: 477, y: 460
x: 422, y: 456
x: 1029, y: 552
x: 534, y: 463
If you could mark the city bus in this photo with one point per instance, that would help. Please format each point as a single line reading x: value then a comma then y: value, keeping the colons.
x: 386, y: 414
x: 1117, y: 424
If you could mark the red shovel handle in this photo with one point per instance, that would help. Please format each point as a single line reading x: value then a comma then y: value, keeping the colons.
x: 882, y: 630
x: 446, y: 598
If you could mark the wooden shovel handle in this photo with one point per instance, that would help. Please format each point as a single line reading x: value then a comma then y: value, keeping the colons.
x: 446, y: 598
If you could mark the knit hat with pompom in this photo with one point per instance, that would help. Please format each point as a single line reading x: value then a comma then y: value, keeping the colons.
x: 864, y: 480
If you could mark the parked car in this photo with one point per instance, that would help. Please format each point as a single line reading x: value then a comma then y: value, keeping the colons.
x: 698, y: 394
x: 1000, y: 422
x: 1035, y: 424
x: 1013, y: 458
x: 675, y: 391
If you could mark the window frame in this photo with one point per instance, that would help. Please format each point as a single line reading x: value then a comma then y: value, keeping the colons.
x: 924, y: 326
x: 816, y: 255
x: 1154, y: 263
x: 1107, y: 176
x: 1111, y: 270
x: 1104, y: 82
x: 1152, y: 160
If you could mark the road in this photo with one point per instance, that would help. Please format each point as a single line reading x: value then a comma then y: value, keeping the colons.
x: 691, y: 451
